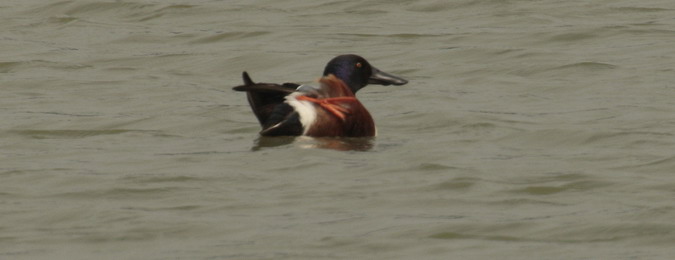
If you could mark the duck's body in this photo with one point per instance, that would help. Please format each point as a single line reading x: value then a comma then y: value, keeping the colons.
x: 330, y: 109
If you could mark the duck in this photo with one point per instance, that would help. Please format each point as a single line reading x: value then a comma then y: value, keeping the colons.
x: 330, y: 109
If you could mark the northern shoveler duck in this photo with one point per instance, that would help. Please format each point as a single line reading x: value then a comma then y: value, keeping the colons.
x: 331, y: 109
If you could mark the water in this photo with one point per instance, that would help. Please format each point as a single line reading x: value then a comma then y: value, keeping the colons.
x: 529, y: 130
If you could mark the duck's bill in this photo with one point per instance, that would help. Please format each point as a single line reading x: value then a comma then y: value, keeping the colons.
x: 382, y: 78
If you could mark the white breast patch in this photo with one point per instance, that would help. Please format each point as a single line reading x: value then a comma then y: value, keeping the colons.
x: 306, y: 110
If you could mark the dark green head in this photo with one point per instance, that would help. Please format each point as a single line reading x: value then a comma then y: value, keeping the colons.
x: 356, y: 72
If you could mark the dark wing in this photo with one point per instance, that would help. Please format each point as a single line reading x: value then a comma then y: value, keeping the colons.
x: 283, y: 122
x: 264, y: 97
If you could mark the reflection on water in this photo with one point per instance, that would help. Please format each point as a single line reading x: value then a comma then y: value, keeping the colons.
x: 271, y: 141
x: 334, y: 143
x: 343, y: 143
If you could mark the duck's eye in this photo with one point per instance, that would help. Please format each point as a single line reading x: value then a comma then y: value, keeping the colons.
x: 358, y: 65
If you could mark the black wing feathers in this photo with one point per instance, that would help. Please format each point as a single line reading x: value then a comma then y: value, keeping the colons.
x: 267, y: 101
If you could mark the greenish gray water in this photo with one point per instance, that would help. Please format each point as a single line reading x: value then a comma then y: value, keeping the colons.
x: 529, y: 130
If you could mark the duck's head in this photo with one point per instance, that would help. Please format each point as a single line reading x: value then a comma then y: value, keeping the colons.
x: 356, y: 72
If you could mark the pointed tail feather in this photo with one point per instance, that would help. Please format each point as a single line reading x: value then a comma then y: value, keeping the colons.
x: 247, y: 82
x: 249, y: 85
x: 247, y: 78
